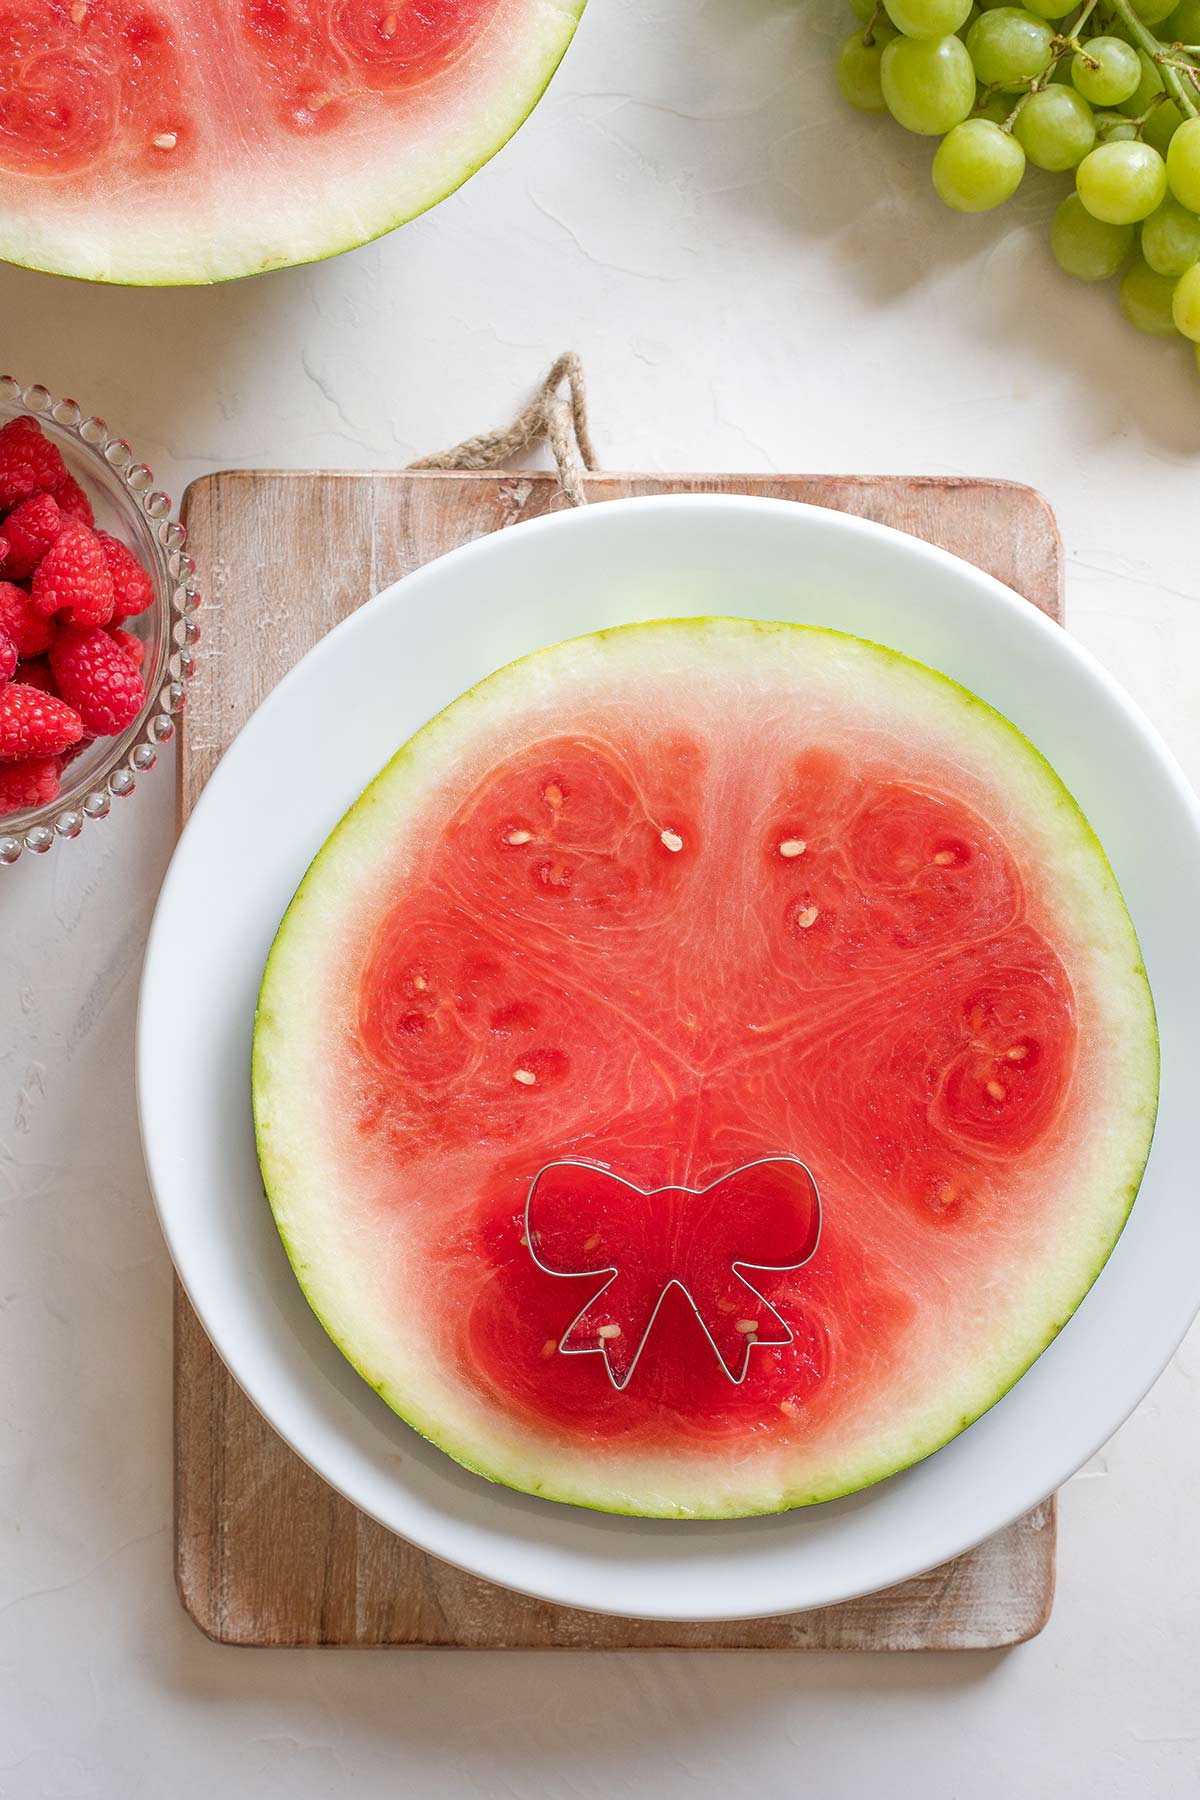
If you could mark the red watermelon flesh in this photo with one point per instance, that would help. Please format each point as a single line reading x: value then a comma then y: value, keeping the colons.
x: 164, y: 141
x: 671, y: 902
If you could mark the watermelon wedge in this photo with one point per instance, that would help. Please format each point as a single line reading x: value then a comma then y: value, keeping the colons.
x: 612, y: 947
x: 166, y: 142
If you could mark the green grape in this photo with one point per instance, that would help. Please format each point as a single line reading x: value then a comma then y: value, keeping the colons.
x: 1146, y: 300
x: 1115, y: 79
x: 1056, y: 128
x: 1009, y: 46
x: 857, y: 69
x: 1122, y: 183
x: 1186, y: 307
x: 1149, y: 84
x: 1153, y: 12
x: 864, y: 10
x: 996, y: 109
x: 1050, y: 9
x: 1183, y: 164
x: 928, y: 83
x: 1183, y: 26
x: 967, y: 23
x: 927, y: 18
x: 977, y: 166
x: 1110, y: 133
x: 1164, y: 121
x: 1171, y: 239
x: 1085, y: 247
x: 1198, y: 359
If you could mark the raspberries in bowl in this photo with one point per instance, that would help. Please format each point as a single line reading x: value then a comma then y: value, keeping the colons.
x: 96, y: 630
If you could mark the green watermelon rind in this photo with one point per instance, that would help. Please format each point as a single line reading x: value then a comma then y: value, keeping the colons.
x: 993, y: 1381
x: 27, y: 242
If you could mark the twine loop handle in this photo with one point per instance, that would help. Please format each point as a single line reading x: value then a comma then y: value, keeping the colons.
x: 560, y: 419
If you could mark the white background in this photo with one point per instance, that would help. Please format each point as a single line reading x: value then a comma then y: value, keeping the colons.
x: 757, y: 280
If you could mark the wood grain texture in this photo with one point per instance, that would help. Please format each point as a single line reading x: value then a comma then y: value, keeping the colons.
x: 266, y: 1553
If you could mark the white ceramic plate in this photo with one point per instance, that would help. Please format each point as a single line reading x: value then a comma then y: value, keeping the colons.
x: 289, y: 777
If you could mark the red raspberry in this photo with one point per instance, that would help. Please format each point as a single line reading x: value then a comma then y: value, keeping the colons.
x: 131, y: 585
x: 29, y: 463
x: 28, y: 783
x: 27, y: 629
x: 74, y: 502
x: 96, y: 677
x: 73, y: 578
x: 133, y: 647
x: 30, y: 528
x: 8, y: 657
x: 34, y: 724
x: 36, y: 673
x: 85, y: 743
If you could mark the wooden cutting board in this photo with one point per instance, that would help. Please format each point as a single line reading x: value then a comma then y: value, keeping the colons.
x: 266, y: 1553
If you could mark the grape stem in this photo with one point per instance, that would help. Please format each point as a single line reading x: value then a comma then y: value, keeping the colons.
x: 1156, y: 51
x: 868, y: 36
x: 1185, y: 68
x: 1085, y: 14
x: 1116, y: 118
x: 1060, y: 45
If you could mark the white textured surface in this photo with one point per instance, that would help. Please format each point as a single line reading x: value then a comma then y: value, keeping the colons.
x: 757, y: 280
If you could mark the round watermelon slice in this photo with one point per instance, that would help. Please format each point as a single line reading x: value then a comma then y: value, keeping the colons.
x: 622, y: 949
x: 166, y: 142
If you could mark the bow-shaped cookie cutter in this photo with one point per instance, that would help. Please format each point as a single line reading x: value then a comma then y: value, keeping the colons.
x: 738, y: 1267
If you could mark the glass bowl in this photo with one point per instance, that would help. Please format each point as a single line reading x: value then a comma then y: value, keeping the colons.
x: 128, y: 505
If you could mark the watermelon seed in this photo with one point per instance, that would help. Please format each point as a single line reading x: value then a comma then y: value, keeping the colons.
x: 550, y: 1346
x: 526, y: 1077
x: 725, y: 1306
x: 746, y: 1326
x: 388, y: 28
x: 592, y: 1243
x: 553, y: 796
x: 166, y: 140
x: 788, y: 1407
x: 793, y: 847
x: 672, y: 840
x: 943, y: 858
x: 1017, y: 1053
x: 609, y: 1331
x: 315, y: 102
x: 78, y: 13
x: 995, y: 1090
x: 806, y: 918
x: 519, y: 837
x: 420, y: 983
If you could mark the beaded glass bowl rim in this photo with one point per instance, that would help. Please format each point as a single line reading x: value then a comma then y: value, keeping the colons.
x: 135, y: 751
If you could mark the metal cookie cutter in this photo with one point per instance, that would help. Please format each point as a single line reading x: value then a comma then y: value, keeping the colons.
x: 788, y: 1211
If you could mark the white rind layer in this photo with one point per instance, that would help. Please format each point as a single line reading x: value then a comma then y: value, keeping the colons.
x: 1091, y: 1178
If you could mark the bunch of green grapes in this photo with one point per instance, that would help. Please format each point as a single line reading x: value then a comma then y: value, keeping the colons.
x: 1108, y: 91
